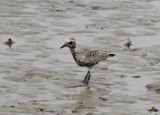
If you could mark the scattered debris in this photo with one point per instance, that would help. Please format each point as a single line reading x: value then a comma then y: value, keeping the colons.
x: 153, y: 109
x: 154, y: 87
x: 128, y: 44
x: 34, y: 102
x: 122, y: 76
x: 12, y: 106
x: 136, y: 76
x: 134, y: 49
x: 95, y: 7
x: 90, y: 113
x: 103, y: 99
x: 59, y: 10
x: 71, y: 1
x: 74, y: 110
x: 51, y: 111
x: 39, y: 109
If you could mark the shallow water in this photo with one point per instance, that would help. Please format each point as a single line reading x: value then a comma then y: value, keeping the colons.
x: 36, y: 77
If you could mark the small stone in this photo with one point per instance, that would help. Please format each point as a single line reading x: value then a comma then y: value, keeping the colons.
x: 136, y: 76
x: 39, y: 109
x: 74, y: 110
x: 122, y: 76
x: 95, y: 7
x: 90, y: 113
x: 103, y: 99
x: 12, y: 106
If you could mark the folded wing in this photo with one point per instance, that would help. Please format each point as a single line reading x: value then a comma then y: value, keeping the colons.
x: 86, y: 57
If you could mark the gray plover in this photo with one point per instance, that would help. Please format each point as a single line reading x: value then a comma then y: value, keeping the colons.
x: 128, y: 44
x: 9, y: 42
x: 85, y: 57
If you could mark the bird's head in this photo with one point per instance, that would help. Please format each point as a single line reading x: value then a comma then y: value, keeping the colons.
x: 69, y: 42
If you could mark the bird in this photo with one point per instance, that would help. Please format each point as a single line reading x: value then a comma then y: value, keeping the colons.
x: 9, y: 42
x: 85, y: 57
x: 128, y: 44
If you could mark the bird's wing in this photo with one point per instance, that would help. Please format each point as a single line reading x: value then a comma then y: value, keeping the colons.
x: 92, y: 57
x: 81, y: 55
x: 96, y: 56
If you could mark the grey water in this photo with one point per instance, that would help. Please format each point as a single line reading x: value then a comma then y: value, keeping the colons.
x: 36, y: 77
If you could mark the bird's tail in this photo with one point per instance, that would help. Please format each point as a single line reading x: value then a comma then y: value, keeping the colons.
x: 111, y: 55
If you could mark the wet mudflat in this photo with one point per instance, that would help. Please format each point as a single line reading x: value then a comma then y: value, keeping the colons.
x: 36, y: 77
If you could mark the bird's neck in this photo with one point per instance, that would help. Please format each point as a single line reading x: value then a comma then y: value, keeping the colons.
x: 73, y: 53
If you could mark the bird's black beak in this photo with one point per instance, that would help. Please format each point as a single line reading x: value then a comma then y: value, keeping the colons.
x: 63, y: 46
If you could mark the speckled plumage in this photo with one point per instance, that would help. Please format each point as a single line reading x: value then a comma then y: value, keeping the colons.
x: 88, y: 58
x: 85, y: 57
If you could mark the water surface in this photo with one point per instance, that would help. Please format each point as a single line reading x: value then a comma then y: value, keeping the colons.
x: 36, y: 77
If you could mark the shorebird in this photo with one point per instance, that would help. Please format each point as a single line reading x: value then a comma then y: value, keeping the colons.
x: 9, y: 42
x: 85, y: 57
x: 128, y: 44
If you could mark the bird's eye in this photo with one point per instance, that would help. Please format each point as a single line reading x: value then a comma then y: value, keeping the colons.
x: 70, y: 43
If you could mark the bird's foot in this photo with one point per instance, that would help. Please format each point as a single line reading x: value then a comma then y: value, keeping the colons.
x: 85, y: 82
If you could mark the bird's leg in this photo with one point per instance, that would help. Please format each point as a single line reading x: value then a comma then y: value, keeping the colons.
x: 86, y: 77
